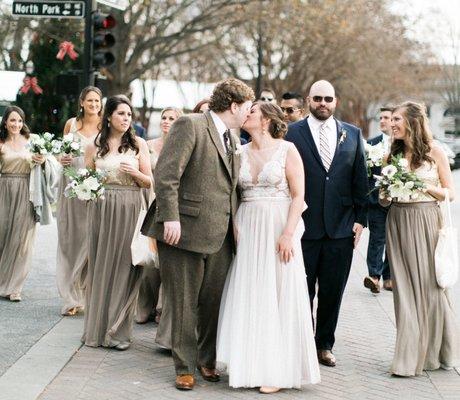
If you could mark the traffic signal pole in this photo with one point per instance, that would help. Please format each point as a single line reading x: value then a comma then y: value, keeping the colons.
x: 88, y: 73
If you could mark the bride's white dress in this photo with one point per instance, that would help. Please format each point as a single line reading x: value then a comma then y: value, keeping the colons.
x: 265, y: 334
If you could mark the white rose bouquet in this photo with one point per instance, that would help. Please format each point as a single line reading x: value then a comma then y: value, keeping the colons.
x: 397, y: 181
x: 44, y: 144
x: 72, y: 146
x: 85, y: 184
x: 374, y: 155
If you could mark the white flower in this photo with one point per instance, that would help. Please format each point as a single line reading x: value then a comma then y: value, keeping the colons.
x: 409, y: 185
x: 75, y: 146
x: 343, y: 136
x: 403, y: 163
x: 83, y: 192
x: 389, y: 171
x: 399, y: 190
x: 238, y: 148
x: 375, y: 154
x: 48, y: 136
x: 68, y: 138
x: 92, y: 183
x: 82, y: 171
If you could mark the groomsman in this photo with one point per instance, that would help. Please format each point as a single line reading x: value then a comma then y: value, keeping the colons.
x: 336, y: 194
x: 377, y: 261
x: 292, y: 105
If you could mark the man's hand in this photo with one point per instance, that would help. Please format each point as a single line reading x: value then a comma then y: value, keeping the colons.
x: 172, y: 232
x: 357, y: 230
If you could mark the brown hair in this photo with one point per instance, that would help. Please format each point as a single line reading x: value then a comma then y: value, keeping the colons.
x: 387, y: 108
x: 277, y: 127
x: 416, y: 125
x: 81, y: 98
x: 4, y: 131
x: 128, y: 140
x: 196, y: 109
x: 229, y: 91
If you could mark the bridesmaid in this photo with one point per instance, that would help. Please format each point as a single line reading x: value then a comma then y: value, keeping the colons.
x: 150, y: 287
x: 427, y: 331
x: 72, y: 252
x: 17, y: 223
x: 112, y: 283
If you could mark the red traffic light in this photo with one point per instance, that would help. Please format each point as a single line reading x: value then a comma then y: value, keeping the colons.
x: 103, y: 21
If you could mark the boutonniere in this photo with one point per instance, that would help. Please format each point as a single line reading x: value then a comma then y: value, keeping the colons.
x: 238, y: 149
x: 343, y: 136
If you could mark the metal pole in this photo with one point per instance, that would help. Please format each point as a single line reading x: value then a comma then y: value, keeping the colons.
x: 88, y: 73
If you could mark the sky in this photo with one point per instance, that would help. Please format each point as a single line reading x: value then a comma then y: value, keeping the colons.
x: 435, y: 22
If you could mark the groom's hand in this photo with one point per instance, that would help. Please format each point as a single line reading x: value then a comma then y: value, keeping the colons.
x: 172, y: 232
x: 357, y: 230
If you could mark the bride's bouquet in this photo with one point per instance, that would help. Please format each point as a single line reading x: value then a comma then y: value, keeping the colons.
x: 374, y: 155
x: 85, y: 184
x: 44, y: 144
x: 71, y: 146
x: 397, y: 181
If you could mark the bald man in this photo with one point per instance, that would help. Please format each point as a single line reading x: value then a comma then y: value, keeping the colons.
x: 335, y: 191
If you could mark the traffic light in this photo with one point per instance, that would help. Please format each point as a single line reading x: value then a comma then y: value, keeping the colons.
x: 103, y: 40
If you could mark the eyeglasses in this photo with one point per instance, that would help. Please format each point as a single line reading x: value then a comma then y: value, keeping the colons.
x: 289, y: 110
x: 263, y: 98
x: 319, y: 99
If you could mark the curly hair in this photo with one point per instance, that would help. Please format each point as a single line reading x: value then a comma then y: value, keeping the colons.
x: 128, y: 140
x: 82, y: 97
x: 277, y: 127
x: 229, y: 91
x: 4, y: 131
x: 418, y: 131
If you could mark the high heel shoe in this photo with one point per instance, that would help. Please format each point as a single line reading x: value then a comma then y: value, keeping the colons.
x: 269, y: 389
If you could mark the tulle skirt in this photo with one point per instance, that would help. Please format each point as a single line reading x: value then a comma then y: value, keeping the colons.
x: 265, y: 335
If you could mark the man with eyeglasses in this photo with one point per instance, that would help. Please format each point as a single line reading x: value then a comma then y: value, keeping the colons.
x: 292, y: 104
x: 336, y: 190
x: 267, y: 95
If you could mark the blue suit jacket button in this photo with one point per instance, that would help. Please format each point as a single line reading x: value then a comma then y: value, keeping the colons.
x: 327, y: 178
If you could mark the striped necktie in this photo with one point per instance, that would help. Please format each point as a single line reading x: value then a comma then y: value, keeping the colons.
x: 324, y: 150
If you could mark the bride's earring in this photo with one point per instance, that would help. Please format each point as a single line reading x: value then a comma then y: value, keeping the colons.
x: 81, y: 110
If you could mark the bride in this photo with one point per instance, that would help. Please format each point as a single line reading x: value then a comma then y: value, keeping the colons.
x: 265, y: 334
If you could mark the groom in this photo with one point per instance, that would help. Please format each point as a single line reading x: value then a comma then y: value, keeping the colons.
x: 335, y: 192
x: 195, y: 186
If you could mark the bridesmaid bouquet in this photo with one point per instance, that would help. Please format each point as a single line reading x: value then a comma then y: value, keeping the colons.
x: 374, y: 155
x: 397, y: 181
x: 69, y: 145
x: 44, y: 144
x: 85, y: 184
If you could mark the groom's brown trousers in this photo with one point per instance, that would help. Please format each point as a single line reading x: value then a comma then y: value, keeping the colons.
x: 193, y: 283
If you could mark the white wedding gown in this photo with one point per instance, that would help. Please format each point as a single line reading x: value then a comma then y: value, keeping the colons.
x: 265, y: 334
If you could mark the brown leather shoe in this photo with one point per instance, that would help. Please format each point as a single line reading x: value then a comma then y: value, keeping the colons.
x: 326, y: 357
x: 185, y: 382
x: 388, y: 284
x: 209, y: 374
x: 372, y: 284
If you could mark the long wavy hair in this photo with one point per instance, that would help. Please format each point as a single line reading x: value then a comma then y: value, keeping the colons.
x: 418, y: 131
x: 82, y: 97
x: 128, y: 140
x: 25, y: 131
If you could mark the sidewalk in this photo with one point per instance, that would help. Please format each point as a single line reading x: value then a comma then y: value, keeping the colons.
x: 364, y: 349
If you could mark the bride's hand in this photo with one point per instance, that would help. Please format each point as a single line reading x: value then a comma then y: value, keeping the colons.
x: 284, y: 248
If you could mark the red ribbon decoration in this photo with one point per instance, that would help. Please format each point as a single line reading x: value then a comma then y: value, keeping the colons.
x: 31, y: 83
x: 66, y: 48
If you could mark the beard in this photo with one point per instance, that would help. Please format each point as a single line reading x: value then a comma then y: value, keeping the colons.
x: 321, y: 113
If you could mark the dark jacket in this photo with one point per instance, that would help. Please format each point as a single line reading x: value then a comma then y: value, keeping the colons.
x: 336, y: 198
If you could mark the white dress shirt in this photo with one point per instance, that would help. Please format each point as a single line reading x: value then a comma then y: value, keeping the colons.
x: 331, y: 132
x: 386, y: 140
x: 220, y: 126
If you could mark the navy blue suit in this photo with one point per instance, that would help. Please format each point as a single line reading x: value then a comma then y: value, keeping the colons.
x: 376, y: 264
x: 336, y: 199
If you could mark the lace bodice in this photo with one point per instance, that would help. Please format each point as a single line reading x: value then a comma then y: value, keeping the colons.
x: 110, y: 163
x: 262, y: 172
x: 14, y: 162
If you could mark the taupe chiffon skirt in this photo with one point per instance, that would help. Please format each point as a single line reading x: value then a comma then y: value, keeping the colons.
x: 17, y: 232
x: 72, y: 251
x: 427, y: 327
x: 112, y: 283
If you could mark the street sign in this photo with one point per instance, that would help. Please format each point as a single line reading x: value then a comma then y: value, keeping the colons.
x: 49, y: 9
x: 119, y: 4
